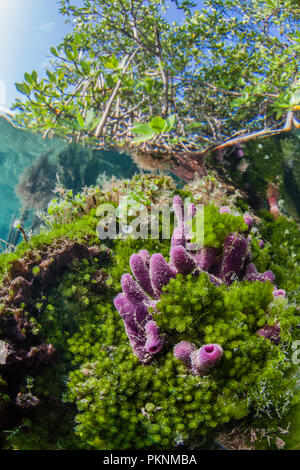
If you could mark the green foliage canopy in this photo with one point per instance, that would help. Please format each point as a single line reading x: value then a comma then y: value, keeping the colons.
x: 228, y: 71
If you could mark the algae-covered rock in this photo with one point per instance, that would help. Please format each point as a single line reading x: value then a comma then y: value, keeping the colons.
x: 120, y: 378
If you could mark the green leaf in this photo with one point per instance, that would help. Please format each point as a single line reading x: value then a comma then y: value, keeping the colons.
x: 23, y: 88
x: 295, y: 98
x: 169, y: 123
x: 144, y: 138
x: 90, y: 116
x: 34, y: 76
x: 85, y: 67
x: 51, y: 76
x: 69, y: 54
x: 143, y: 130
x: 54, y: 51
x: 195, y: 125
x: 80, y: 120
x: 28, y: 78
x: 158, y: 124
x: 110, y: 81
x: 111, y: 63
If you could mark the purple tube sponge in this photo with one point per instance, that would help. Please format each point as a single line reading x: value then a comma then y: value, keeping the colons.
x: 279, y: 293
x: 132, y: 290
x: 248, y: 220
x: 182, y: 260
x: 270, y: 332
x: 145, y: 257
x: 160, y: 272
x: 191, y: 210
x: 253, y: 275
x: 140, y: 295
x: 133, y: 327
x: 179, y: 210
x: 206, y: 257
x: 178, y: 236
x: 235, y: 253
x: 141, y: 315
x: 225, y: 210
x: 183, y: 352
x: 141, y: 273
x: 123, y: 305
x: 135, y: 318
x: 206, y: 358
x: 153, y: 341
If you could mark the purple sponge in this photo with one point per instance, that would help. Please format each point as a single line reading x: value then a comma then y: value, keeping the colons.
x: 183, y: 351
x: 141, y: 273
x: 160, y: 272
x: 153, y: 342
x: 205, y: 358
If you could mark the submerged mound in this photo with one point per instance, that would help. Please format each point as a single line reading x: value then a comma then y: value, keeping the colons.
x: 200, y: 339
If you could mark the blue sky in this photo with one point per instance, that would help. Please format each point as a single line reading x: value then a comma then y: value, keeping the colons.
x: 28, y: 28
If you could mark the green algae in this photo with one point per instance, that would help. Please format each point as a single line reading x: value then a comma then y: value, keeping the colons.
x: 97, y: 395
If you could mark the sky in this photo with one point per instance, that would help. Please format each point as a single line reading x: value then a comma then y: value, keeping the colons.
x: 28, y: 28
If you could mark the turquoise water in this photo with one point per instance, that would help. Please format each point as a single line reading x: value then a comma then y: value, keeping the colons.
x: 27, y: 156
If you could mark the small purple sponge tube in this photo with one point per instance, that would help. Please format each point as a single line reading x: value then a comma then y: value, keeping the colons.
x: 145, y: 257
x: 133, y: 329
x: 179, y: 210
x: 253, y: 275
x: 234, y: 254
x: 183, y: 351
x: 153, y: 342
x: 160, y: 272
x: 225, y: 210
x: 206, y: 257
x: 133, y: 291
x: 248, y: 220
x: 270, y: 332
x: 279, y: 293
x: 123, y: 305
x: 178, y: 236
x: 182, y: 260
x: 205, y: 358
x: 135, y: 318
x: 191, y: 210
x: 141, y: 273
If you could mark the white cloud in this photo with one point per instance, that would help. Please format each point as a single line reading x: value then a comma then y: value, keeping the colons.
x: 47, y: 26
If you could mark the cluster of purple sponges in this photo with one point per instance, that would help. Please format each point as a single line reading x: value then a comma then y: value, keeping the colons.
x: 153, y: 273
x: 199, y: 361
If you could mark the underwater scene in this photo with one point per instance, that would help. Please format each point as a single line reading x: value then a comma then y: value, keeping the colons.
x: 149, y: 233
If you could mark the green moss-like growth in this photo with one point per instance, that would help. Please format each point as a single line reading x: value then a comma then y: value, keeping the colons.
x: 281, y: 252
x: 163, y: 404
x: 217, y: 226
x: 98, y: 395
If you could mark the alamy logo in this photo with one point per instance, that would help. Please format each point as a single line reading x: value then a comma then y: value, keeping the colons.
x: 141, y: 221
x: 2, y: 93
